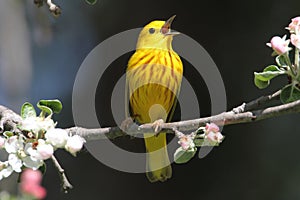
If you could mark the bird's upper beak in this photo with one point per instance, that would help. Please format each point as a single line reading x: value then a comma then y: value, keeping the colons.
x: 166, y: 28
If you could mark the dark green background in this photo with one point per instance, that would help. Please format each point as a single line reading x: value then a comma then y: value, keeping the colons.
x: 256, y: 161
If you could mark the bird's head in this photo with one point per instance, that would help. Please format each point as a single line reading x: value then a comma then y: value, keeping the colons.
x: 157, y: 35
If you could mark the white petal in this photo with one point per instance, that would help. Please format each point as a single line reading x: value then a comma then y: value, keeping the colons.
x: 32, y: 163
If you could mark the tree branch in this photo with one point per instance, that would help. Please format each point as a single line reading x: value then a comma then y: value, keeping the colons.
x: 244, y: 113
x: 66, y: 185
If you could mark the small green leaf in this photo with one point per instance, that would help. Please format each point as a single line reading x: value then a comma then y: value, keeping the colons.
x: 199, y: 142
x: 182, y: 156
x: 269, y: 72
x: 280, y: 60
x: 8, y: 134
x: 261, y: 84
x: 91, y: 2
x: 289, y: 94
x: 50, y: 106
x: 204, y: 143
x: 27, y: 110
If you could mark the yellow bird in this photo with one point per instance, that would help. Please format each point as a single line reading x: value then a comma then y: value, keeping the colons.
x: 153, y: 80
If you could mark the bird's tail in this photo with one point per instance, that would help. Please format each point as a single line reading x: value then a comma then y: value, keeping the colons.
x: 158, y: 163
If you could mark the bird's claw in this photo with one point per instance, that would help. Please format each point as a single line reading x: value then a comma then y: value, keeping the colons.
x: 157, y: 126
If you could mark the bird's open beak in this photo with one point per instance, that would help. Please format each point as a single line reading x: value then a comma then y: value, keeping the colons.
x: 166, y: 28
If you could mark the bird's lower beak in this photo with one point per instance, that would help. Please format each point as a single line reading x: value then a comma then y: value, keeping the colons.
x: 166, y: 28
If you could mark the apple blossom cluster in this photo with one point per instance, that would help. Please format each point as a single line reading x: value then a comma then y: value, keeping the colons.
x: 281, y: 45
x: 211, y: 136
x: 284, y: 66
x: 36, y: 142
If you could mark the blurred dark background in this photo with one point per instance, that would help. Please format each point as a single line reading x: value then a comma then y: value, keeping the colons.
x: 40, y: 55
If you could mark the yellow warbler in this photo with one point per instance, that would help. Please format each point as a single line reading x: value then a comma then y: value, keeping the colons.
x: 153, y: 80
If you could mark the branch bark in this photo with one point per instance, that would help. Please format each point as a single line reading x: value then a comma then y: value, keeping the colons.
x: 245, y: 113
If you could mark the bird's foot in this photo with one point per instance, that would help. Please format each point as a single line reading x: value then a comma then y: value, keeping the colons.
x: 157, y: 126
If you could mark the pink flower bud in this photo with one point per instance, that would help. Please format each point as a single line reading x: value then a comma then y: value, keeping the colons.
x: 295, y: 40
x: 212, y: 127
x: 31, y: 176
x: 294, y: 25
x: 279, y: 45
x: 30, y: 183
x: 186, y: 142
x: 215, y: 137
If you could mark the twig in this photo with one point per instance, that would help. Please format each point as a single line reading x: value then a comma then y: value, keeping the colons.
x: 9, y: 120
x: 54, y: 9
x: 66, y: 185
x: 255, y: 104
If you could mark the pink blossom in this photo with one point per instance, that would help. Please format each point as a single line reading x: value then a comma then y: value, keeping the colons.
x: 212, y: 134
x: 30, y: 183
x: 295, y: 40
x: 279, y: 45
x: 33, y: 177
x: 211, y: 127
x: 186, y: 142
x: 294, y: 25
x: 215, y: 137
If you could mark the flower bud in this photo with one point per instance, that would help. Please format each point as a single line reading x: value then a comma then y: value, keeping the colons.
x: 30, y: 184
x: 57, y: 137
x: 279, y: 45
x: 74, y: 144
x: 212, y: 134
x: 295, y: 40
x: 186, y: 142
x: 44, y: 151
x: 294, y: 26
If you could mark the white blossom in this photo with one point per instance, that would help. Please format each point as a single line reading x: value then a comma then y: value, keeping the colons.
x: 13, y: 144
x: 5, y: 170
x: 32, y: 161
x: 74, y: 144
x: 15, y: 162
x: 44, y: 151
x: 35, y: 124
x: 57, y: 137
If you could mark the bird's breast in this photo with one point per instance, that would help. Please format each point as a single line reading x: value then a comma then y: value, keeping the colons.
x: 153, y: 79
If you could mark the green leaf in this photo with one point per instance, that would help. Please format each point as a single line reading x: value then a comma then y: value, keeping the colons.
x: 261, y: 84
x: 268, y: 73
x: 204, y: 142
x: 289, y: 94
x: 50, y: 106
x: 8, y: 134
x: 280, y: 60
x: 91, y: 2
x: 199, y: 142
x: 182, y: 156
x: 27, y: 110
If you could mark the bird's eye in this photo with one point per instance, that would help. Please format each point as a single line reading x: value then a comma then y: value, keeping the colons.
x: 151, y: 30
